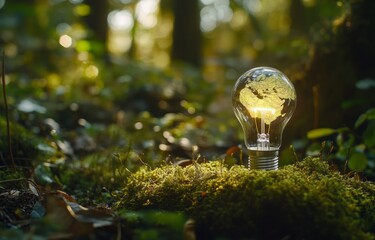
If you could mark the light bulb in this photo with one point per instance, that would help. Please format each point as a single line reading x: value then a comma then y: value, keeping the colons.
x: 263, y: 100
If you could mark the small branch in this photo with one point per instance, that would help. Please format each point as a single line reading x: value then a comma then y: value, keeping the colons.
x: 7, y: 112
x: 14, y: 180
x: 21, y: 180
x: 321, y: 152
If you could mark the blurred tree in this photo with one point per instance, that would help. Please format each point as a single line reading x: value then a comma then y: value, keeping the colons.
x: 97, y: 22
x: 360, y: 30
x: 187, y: 37
x: 297, y: 16
x: 341, y: 54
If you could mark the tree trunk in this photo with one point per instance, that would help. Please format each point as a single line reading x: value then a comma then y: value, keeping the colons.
x: 343, y: 55
x: 97, y: 21
x: 187, y: 37
x: 297, y: 16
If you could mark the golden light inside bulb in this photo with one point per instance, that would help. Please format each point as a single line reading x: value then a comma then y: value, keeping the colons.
x: 262, y: 112
x: 266, y: 93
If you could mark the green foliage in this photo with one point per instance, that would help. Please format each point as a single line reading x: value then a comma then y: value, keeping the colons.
x: 302, y: 201
x: 369, y: 115
x: 356, y: 146
x: 320, y: 132
x: 357, y: 161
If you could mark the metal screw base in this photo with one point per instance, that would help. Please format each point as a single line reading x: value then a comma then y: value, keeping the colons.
x: 264, y: 159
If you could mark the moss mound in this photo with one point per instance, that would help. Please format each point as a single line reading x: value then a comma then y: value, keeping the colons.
x: 303, y: 201
x: 24, y: 144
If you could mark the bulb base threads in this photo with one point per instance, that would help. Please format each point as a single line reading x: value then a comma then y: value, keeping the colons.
x: 264, y: 159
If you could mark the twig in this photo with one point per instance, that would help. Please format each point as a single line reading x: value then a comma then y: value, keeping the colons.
x: 321, y: 152
x: 332, y: 147
x: 21, y: 180
x: 13, y: 165
x: 347, y: 161
x: 293, y: 150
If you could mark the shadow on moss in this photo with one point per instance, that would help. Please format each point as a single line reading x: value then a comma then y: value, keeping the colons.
x: 303, y: 201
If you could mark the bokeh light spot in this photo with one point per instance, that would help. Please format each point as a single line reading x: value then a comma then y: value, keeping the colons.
x: 120, y: 20
x: 138, y: 125
x: 208, y: 18
x: 62, y: 28
x: 65, y: 41
x: 92, y: 71
x: 82, y: 10
x: 146, y: 12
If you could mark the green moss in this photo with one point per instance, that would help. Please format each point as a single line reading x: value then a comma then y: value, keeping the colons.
x: 303, y: 201
x: 24, y: 144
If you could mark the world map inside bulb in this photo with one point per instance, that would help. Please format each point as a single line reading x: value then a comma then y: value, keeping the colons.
x: 264, y: 100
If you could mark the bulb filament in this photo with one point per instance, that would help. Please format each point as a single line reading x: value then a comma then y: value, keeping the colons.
x: 263, y: 136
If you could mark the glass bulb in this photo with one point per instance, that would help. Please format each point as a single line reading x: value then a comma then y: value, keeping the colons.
x: 264, y: 100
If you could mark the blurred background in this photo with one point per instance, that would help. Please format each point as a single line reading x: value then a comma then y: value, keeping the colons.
x: 153, y: 78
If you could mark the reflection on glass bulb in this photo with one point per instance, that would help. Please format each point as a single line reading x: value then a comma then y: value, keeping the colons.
x: 264, y: 100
